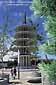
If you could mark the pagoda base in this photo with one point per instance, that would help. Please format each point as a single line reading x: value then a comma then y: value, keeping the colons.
x: 28, y: 74
x: 27, y: 62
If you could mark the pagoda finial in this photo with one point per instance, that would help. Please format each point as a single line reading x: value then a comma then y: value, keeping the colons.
x: 24, y: 18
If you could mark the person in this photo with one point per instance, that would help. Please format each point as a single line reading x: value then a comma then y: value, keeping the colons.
x: 14, y: 72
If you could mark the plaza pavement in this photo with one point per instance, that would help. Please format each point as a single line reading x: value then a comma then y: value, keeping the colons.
x: 22, y: 81
x: 17, y: 81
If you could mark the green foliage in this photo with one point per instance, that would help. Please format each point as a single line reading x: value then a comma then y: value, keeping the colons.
x: 44, y: 47
x: 48, y: 47
x: 34, y: 49
x: 36, y: 6
x: 47, y: 8
x: 42, y: 68
x: 44, y: 7
x: 40, y: 37
x: 50, y: 26
x: 3, y: 47
x: 49, y: 69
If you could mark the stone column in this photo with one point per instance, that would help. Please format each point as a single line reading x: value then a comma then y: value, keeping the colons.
x: 23, y: 61
x: 26, y: 61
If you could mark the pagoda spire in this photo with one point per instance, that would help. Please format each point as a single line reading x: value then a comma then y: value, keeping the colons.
x: 24, y: 18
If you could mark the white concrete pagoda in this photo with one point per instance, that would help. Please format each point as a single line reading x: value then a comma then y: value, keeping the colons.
x: 25, y: 41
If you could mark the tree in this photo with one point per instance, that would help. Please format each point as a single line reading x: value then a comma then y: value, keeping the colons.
x: 44, y: 7
x: 3, y: 40
x: 47, y: 8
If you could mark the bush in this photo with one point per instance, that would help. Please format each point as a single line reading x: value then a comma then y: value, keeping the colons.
x: 49, y: 69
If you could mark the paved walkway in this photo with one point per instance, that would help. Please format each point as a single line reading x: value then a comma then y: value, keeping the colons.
x: 18, y: 82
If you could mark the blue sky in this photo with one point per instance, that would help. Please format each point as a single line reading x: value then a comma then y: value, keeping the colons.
x: 15, y: 18
x: 15, y: 12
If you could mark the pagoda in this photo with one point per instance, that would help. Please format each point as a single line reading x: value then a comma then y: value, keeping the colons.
x: 25, y: 40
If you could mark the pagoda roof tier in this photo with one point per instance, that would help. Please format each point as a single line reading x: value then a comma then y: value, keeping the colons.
x: 21, y: 39
x: 25, y: 27
x: 30, y: 32
x: 26, y: 36
x: 21, y: 47
x: 24, y: 46
x: 24, y: 42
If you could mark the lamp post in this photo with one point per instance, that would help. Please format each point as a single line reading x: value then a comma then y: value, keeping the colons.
x: 18, y: 64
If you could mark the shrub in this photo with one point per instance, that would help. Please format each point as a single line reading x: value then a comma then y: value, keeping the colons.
x: 49, y: 70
